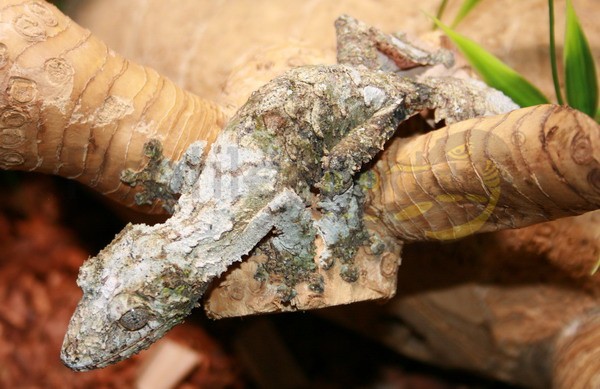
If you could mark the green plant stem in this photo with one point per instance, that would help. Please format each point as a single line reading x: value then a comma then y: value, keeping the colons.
x: 440, y: 12
x: 466, y: 7
x: 553, y: 62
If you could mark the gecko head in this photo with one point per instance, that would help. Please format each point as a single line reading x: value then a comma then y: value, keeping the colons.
x: 133, y: 293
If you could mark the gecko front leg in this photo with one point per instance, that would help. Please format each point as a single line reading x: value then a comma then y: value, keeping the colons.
x: 362, y: 46
x: 359, y: 147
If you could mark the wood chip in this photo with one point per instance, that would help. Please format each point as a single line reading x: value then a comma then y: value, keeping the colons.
x: 166, y: 365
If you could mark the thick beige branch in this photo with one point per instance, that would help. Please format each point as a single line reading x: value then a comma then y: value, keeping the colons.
x: 576, y: 361
x: 70, y: 106
x: 487, y: 174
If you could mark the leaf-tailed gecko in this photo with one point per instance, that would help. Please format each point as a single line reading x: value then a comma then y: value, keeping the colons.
x: 292, y: 150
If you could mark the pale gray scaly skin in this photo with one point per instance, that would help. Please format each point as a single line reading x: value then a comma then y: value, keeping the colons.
x: 309, y: 130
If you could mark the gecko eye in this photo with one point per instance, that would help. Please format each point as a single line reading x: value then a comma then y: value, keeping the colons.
x: 134, y: 319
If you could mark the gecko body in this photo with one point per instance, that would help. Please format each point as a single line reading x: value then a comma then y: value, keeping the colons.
x: 292, y: 150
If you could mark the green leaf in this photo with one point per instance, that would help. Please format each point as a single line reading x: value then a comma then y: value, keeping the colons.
x: 494, y: 72
x: 553, y: 64
x: 464, y: 10
x: 580, y: 73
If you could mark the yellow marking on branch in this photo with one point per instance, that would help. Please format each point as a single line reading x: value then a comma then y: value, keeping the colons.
x: 459, y: 152
x: 413, y: 211
x: 449, y: 198
x: 474, y: 198
x: 491, y: 180
x: 405, y: 168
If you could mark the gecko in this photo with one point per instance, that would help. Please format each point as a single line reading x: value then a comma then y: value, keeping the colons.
x: 292, y: 151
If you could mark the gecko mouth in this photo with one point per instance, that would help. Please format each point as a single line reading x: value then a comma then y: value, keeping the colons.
x: 82, y: 357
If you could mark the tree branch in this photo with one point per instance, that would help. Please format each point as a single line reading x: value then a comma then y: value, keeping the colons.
x: 71, y: 106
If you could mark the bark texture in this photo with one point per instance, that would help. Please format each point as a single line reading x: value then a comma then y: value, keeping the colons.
x: 486, y: 174
x: 201, y: 53
x: 70, y: 106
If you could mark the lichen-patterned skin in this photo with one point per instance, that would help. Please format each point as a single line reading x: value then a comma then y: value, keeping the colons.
x: 307, y: 131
